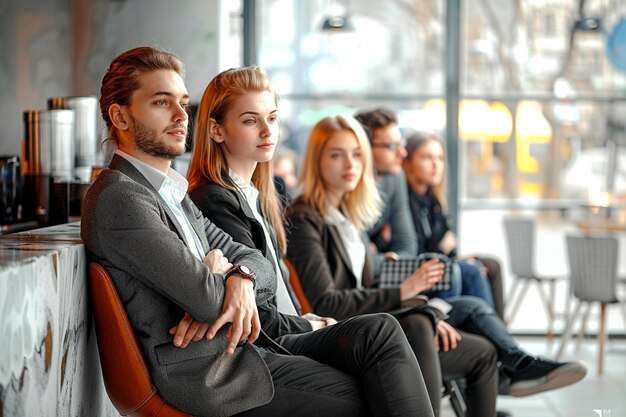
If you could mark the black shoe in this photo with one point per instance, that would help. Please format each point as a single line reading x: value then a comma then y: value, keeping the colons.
x: 503, y: 414
x: 504, y: 382
x: 542, y: 374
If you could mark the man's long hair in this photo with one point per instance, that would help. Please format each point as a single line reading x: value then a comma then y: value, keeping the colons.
x: 122, y: 78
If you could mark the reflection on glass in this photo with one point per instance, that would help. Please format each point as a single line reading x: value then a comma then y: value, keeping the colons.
x: 524, y: 122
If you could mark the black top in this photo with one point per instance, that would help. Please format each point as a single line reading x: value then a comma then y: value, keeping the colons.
x: 430, y: 222
x: 231, y: 213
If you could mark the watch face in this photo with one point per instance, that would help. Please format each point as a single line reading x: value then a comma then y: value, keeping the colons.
x: 245, y: 269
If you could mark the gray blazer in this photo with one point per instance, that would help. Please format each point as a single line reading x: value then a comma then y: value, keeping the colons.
x: 129, y: 229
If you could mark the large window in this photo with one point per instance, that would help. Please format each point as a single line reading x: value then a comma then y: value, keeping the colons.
x: 540, y: 101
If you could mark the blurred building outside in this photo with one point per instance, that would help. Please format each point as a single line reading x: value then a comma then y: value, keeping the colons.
x: 542, y: 120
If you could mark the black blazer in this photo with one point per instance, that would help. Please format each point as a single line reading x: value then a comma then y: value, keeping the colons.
x: 323, y: 265
x: 229, y: 210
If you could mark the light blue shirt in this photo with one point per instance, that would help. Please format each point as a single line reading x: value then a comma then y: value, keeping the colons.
x: 173, y: 188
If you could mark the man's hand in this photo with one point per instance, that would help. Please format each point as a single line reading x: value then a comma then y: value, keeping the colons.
x: 422, y: 279
x: 187, y: 330
x: 217, y: 262
x: 447, y: 337
x: 240, y: 310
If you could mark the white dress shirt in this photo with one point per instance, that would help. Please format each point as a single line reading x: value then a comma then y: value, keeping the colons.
x: 173, y: 188
x: 251, y: 194
x: 351, y: 239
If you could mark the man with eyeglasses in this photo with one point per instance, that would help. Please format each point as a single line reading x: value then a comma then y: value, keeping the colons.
x: 388, y: 150
x: 393, y: 236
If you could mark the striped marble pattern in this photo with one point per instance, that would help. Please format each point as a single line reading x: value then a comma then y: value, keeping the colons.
x: 49, y: 364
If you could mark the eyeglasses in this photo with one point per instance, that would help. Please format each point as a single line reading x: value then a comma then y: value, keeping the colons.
x: 392, y: 146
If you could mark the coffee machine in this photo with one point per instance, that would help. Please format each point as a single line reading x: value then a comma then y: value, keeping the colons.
x: 88, y: 152
x: 59, y: 151
x: 48, y: 165
x: 86, y: 128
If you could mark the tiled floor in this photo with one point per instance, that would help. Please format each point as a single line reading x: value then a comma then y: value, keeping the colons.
x: 596, y: 395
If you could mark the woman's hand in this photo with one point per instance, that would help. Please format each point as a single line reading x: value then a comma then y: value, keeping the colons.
x: 447, y: 243
x: 320, y: 324
x: 447, y: 337
x: 422, y: 279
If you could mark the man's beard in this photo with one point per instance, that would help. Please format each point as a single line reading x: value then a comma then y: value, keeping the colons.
x: 146, y: 140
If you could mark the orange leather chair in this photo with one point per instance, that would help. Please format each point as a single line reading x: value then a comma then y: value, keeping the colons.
x: 294, y: 281
x: 126, y: 376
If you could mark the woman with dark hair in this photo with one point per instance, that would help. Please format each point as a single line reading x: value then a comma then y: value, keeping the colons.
x: 424, y: 167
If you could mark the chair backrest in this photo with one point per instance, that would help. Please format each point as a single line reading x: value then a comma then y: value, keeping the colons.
x: 125, y: 373
x: 593, y: 267
x: 520, y: 238
x: 294, y: 281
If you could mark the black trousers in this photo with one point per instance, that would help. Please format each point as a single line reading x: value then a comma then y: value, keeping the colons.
x: 362, y: 366
x: 473, y: 359
x: 494, y: 276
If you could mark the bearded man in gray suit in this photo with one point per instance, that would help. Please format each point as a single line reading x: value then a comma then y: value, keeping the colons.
x: 176, y: 272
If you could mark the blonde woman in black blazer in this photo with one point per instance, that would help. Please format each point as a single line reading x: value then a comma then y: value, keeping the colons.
x: 338, y: 201
x: 338, y: 156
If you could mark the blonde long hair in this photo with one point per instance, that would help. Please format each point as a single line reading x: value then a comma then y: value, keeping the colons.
x: 208, y: 161
x: 363, y: 203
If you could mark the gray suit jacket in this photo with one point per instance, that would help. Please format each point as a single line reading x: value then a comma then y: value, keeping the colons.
x: 129, y: 229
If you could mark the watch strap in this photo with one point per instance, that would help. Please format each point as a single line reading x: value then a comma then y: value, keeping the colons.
x: 238, y: 270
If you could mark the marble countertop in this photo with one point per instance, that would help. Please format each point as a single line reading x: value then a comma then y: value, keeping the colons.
x: 49, y: 364
x: 18, y: 247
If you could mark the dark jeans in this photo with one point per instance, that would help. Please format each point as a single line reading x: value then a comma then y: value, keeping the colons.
x: 474, y: 283
x: 470, y: 281
x: 473, y: 315
x: 473, y: 359
x: 361, y: 366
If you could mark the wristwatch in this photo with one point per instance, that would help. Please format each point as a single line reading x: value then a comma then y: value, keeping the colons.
x: 244, y: 272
